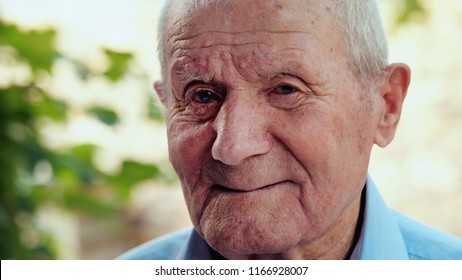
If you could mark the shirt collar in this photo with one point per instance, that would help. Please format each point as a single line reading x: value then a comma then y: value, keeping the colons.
x: 380, y: 237
x: 195, y: 248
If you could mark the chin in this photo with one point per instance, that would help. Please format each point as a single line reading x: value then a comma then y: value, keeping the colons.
x: 241, y: 242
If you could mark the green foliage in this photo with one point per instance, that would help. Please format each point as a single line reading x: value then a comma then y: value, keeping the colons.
x: 105, y: 115
x: 33, y: 176
x: 154, y: 111
x: 36, y: 48
x: 20, y: 197
x: 130, y: 172
x: 118, y: 64
x: 408, y: 11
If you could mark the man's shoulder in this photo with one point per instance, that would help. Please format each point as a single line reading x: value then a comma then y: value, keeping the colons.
x: 166, y: 247
x: 426, y: 243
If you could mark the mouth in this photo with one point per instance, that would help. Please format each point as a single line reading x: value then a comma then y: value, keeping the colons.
x: 222, y: 188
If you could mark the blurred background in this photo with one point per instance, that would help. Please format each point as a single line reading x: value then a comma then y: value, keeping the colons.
x: 84, y: 171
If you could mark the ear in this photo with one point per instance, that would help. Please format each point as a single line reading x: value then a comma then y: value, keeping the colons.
x: 161, y: 92
x: 392, y: 93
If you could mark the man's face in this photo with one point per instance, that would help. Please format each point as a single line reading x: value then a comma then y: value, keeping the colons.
x: 269, y: 130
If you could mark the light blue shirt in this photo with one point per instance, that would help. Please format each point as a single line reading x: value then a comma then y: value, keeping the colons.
x: 385, y: 235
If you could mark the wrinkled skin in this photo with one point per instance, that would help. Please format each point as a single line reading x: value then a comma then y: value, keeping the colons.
x: 269, y: 130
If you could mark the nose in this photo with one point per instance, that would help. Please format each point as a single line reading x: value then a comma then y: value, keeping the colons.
x: 241, y: 126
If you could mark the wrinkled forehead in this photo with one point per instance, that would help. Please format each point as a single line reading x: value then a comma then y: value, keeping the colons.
x: 195, y: 16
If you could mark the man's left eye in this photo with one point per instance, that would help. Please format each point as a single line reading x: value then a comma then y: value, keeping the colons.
x: 286, y: 89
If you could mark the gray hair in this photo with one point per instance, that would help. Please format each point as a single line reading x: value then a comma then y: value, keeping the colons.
x: 358, y: 20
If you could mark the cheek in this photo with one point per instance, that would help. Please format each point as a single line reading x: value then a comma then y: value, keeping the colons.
x: 330, y: 148
x: 310, y: 137
x: 188, y: 144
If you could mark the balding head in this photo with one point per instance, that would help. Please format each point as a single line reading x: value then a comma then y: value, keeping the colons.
x: 358, y: 20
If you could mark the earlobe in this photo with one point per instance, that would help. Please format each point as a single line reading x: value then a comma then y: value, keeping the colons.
x: 393, y: 91
x: 161, y: 92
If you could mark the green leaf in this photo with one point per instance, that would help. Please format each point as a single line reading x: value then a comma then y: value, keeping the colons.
x: 409, y: 10
x: 137, y: 172
x: 91, y: 205
x: 72, y: 171
x: 154, y: 110
x: 132, y: 173
x: 84, y: 151
x: 35, y: 47
x: 118, y: 64
x: 51, y: 108
x: 14, y: 105
x: 105, y: 115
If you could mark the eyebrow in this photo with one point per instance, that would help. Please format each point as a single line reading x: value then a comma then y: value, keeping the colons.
x: 290, y: 74
x: 190, y: 79
x: 187, y: 77
x: 272, y: 74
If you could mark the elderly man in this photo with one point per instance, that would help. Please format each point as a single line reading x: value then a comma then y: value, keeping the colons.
x: 273, y: 107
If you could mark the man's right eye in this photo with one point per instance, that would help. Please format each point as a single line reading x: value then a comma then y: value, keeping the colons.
x: 204, y: 103
x: 206, y: 96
